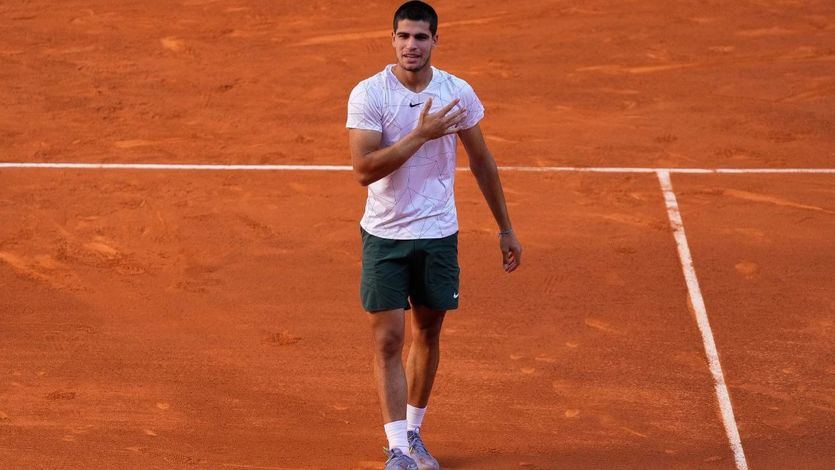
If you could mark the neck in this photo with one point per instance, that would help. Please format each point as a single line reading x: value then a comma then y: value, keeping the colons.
x: 415, y: 81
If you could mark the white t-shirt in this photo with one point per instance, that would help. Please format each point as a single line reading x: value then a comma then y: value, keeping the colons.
x: 416, y: 200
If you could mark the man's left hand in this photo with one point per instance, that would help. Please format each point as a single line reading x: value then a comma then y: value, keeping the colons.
x: 511, y: 251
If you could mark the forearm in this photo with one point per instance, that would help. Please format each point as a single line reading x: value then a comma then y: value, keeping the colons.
x: 381, y: 163
x: 487, y: 175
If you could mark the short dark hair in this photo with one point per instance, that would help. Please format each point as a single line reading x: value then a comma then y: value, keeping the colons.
x: 417, y: 11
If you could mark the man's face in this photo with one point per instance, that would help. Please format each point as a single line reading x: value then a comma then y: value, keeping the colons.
x: 413, y: 43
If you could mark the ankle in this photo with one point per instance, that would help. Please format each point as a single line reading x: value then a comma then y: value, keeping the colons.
x: 414, y: 417
x: 397, y: 437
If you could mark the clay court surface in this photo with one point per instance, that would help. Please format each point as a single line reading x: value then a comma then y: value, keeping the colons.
x: 189, y: 318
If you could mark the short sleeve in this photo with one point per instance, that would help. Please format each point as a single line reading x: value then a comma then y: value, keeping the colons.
x: 475, y: 110
x: 364, y: 108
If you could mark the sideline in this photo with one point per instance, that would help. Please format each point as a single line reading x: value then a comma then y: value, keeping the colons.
x: 700, y: 311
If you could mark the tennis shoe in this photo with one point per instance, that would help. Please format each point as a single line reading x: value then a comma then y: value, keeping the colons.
x: 399, y: 461
x: 417, y: 450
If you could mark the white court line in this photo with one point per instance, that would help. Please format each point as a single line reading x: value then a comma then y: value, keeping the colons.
x: 524, y: 169
x: 175, y: 166
x: 701, y: 318
x: 559, y: 169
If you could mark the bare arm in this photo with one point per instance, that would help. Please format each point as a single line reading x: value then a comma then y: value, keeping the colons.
x: 371, y: 163
x: 483, y: 166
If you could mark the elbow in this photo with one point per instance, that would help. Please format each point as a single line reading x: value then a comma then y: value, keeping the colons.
x: 364, y: 179
x: 483, y: 164
x: 360, y: 174
x: 477, y: 167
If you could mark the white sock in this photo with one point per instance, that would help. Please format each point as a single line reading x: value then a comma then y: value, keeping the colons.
x: 414, y: 417
x: 396, y: 433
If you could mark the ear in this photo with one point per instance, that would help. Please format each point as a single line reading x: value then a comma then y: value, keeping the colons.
x: 392, y: 38
x: 434, y: 40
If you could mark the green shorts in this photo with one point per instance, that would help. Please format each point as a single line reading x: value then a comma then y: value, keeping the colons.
x: 423, y: 271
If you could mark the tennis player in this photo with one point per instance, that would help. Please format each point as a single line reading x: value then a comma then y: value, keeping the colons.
x: 402, y: 127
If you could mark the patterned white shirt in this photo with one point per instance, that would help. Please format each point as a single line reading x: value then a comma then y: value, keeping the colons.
x: 416, y: 200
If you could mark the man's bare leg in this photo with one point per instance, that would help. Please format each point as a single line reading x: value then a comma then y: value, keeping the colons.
x: 424, y: 354
x: 421, y: 366
x: 388, y: 331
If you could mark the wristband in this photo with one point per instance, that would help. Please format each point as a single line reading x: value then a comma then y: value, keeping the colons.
x: 504, y: 233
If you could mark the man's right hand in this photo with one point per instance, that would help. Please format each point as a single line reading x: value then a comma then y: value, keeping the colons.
x: 438, y: 124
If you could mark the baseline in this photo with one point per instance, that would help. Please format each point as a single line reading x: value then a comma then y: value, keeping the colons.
x: 527, y: 169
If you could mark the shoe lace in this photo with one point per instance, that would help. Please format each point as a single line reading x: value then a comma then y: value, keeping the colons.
x: 416, y: 444
x: 393, y: 453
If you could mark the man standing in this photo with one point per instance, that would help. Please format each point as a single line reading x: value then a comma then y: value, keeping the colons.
x: 402, y: 124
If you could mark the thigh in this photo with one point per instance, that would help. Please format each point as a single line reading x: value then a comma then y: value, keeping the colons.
x: 437, y: 285
x: 384, y: 283
x: 427, y: 320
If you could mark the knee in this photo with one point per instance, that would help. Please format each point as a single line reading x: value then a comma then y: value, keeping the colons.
x: 388, y: 343
x: 426, y: 327
x: 427, y: 336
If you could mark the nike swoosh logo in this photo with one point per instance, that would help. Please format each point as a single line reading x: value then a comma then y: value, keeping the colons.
x: 455, y: 295
x: 413, y: 105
